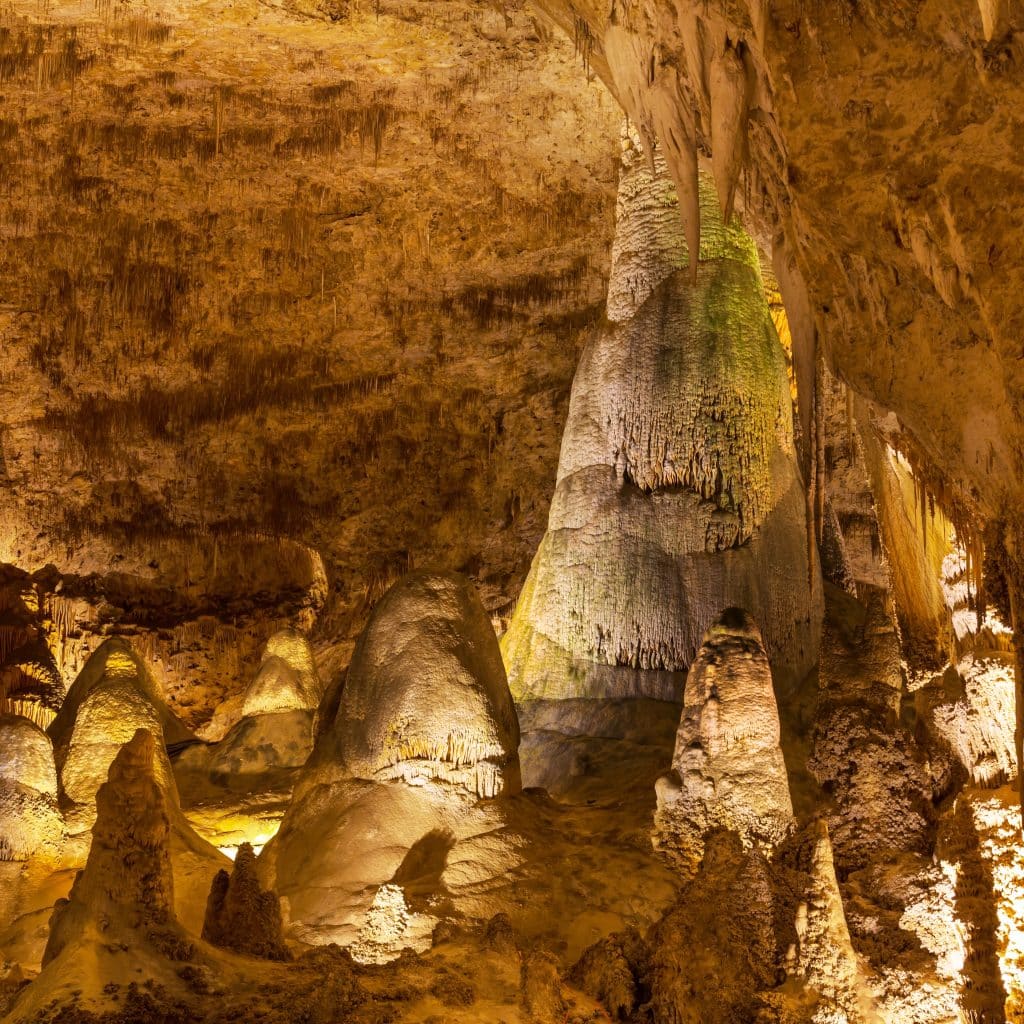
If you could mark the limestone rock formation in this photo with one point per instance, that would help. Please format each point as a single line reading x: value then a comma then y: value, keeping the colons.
x: 31, y: 824
x: 126, y: 891
x: 678, y: 492
x: 396, y: 808
x: 613, y: 972
x: 242, y: 916
x: 824, y: 954
x: 861, y: 752
x: 727, y: 769
x: 287, y: 679
x: 274, y: 393
x: 723, y: 945
x: 541, y: 986
x: 426, y: 698
x: 113, y: 696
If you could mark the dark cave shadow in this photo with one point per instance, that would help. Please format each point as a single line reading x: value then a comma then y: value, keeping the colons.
x: 982, y: 996
x: 421, y: 870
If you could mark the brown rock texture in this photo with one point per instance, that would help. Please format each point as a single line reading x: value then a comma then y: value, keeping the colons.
x: 727, y: 766
x: 301, y: 307
x: 126, y: 890
x: 242, y: 916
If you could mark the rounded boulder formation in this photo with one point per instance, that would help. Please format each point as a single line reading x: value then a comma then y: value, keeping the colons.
x: 31, y: 824
x: 28, y: 755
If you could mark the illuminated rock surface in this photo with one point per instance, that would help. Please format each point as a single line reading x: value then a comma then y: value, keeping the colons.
x: 31, y: 824
x: 301, y: 298
x: 113, y: 696
x: 727, y: 769
x: 400, y: 793
x: 287, y: 679
x: 678, y: 493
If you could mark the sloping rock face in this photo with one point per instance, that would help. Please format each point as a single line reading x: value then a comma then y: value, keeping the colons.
x: 113, y: 696
x: 242, y: 916
x: 724, y: 942
x: 728, y: 770
x: 395, y: 811
x: 678, y: 491
x: 31, y: 824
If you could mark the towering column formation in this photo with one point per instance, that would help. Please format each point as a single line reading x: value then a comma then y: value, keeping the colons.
x: 728, y: 770
x: 678, y: 492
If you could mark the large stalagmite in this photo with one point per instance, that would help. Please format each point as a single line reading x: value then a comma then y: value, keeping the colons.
x: 678, y: 492
x: 394, y: 808
x: 727, y: 770
x: 119, y: 920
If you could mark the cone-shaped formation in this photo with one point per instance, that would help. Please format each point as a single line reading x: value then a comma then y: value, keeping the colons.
x: 426, y: 696
x: 723, y: 945
x: 30, y: 821
x: 729, y: 106
x: 126, y: 892
x: 389, y: 812
x: 242, y: 916
x: 728, y: 770
x: 678, y: 490
x: 113, y: 696
x: 287, y: 679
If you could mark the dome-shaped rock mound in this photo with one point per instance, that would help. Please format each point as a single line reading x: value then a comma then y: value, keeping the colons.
x: 27, y: 755
x: 394, y: 808
x: 30, y: 821
x: 728, y: 769
x: 426, y: 695
x: 114, y: 695
x: 287, y: 679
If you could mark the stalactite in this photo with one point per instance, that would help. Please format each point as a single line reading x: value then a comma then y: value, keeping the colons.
x: 729, y: 111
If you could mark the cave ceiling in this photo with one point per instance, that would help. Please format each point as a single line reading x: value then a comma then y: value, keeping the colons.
x: 290, y: 298
x: 292, y: 294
